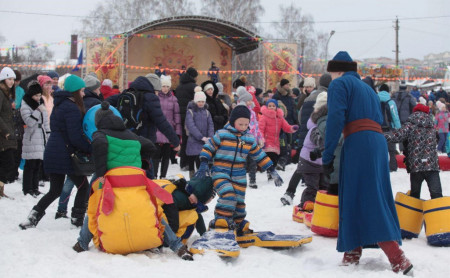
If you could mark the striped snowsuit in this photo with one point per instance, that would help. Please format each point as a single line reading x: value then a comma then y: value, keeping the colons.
x: 229, y: 148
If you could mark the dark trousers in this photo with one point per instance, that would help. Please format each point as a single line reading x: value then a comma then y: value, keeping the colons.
x: 56, y: 186
x: 193, y: 160
x: 392, y: 159
x: 293, y: 183
x: 442, y: 140
x: 30, y: 180
x: 314, y: 182
x: 183, y: 156
x: 433, y: 181
x: 251, y: 168
x: 274, y: 157
x: 162, y: 156
x: 6, y: 165
x: 17, y: 159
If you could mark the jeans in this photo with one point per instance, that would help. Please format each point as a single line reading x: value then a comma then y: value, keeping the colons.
x: 85, y: 236
x: 67, y: 191
x: 442, y: 140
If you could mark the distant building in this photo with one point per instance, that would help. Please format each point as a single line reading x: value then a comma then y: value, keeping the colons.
x: 437, y: 60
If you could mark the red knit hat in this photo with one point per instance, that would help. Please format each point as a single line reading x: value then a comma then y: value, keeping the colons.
x: 42, y: 79
x: 422, y: 108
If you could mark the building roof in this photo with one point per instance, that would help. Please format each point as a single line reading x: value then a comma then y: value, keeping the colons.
x: 237, y: 37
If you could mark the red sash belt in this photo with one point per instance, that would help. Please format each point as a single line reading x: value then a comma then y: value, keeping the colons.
x: 360, y: 125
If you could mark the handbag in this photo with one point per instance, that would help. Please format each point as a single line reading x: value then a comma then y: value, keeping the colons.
x: 82, y: 164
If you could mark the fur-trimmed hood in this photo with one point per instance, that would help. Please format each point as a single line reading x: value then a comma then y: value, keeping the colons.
x: 316, y: 114
x: 283, y: 91
x: 272, y: 113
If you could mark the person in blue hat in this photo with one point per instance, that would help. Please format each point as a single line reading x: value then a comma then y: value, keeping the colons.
x: 367, y: 214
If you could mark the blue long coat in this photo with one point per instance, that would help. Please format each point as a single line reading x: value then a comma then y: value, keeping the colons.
x: 65, y: 122
x: 367, y: 213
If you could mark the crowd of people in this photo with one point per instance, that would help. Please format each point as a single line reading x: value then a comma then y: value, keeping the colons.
x: 234, y: 133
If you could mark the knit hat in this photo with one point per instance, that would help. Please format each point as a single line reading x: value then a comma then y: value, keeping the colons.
x: 18, y: 75
x: 240, y: 91
x: 34, y: 88
x: 92, y: 83
x: 208, y: 86
x: 342, y: 62
x: 440, y: 105
x: 369, y: 81
x: 284, y: 82
x: 402, y: 85
x: 219, y: 87
x: 44, y: 79
x: 296, y: 91
x: 258, y: 91
x: 325, y: 80
x: 73, y: 83
x: 104, y: 111
x: 154, y: 80
x: 239, y: 111
x: 52, y: 74
x: 309, y: 82
x: 384, y: 87
x: 198, y: 89
x: 7, y: 73
x: 199, y: 96
x: 422, y: 100
x: 240, y: 82
x: 274, y: 101
x: 321, y: 100
x: 166, y: 80
x: 243, y: 98
x: 107, y: 82
x: 192, y: 72
x: 93, y: 74
x: 422, y: 108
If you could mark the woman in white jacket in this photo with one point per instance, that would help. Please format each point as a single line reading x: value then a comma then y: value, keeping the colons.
x: 37, y: 130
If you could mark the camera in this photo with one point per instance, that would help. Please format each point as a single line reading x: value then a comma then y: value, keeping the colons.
x: 315, y: 154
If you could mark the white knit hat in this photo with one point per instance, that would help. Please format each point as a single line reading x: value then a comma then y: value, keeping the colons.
x: 166, y: 80
x: 199, y: 96
x: 208, y: 86
x: 309, y: 82
x: 198, y: 89
x: 7, y: 73
x: 422, y: 100
x: 321, y: 100
x: 107, y: 82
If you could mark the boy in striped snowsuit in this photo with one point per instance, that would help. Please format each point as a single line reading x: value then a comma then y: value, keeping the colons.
x: 229, y: 148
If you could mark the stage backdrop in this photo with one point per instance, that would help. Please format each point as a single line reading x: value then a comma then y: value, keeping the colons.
x: 173, y: 53
x: 106, y: 54
x: 280, y: 61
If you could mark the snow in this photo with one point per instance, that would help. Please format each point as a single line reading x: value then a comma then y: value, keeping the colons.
x: 46, y: 251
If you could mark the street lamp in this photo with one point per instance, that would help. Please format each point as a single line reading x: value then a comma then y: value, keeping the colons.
x: 326, y: 47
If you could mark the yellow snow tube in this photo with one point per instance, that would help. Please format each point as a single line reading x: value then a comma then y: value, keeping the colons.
x: 410, y: 215
x: 325, y: 220
x: 437, y: 221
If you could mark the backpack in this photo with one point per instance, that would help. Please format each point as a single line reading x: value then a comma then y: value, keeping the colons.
x: 192, y: 113
x: 130, y: 104
x: 387, y: 117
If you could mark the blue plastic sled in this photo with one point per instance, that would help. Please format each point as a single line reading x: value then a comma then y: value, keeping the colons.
x: 89, y: 120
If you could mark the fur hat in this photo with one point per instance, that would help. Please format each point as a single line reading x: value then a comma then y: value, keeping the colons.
x: 325, y: 80
x: 342, y: 62
x: 104, y: 111
x: 239, y: 111
x: 321, y: 100
x: 166, y: 80
x: 53, y: 74
x: 422, y: 108
x: 274, y: 101
x: 284, y: 82
x: 208, y: 86
x: 34, y: 88
x: 42, y: 79
x: 154, y: 80
x: 92, y: 83
x: 309, y: 82
x: 384, y: 87
x: 73, y: 83
x: 7, y: 73
x: 199, y: 96
x: 192, y: 72
x: 107, y: 82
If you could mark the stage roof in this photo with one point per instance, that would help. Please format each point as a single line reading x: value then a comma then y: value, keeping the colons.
x: 207, y: 26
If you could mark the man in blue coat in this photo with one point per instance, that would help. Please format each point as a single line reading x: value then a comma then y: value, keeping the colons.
x: 367, y: 214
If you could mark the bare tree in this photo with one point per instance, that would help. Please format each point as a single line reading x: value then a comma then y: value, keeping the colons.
x: 32, y: 55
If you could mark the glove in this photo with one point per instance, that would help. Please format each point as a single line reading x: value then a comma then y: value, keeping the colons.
x: 203, y: 171
x: 328, y: 168
x: 295, y: 127
x: 276, y: 178
x: 201, y: 207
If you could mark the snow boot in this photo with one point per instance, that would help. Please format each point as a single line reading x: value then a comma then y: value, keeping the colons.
x: 253, y: 185
x: 77, y: 216
x: 399, y: 262
x: 184, y: 253
x: 352, y: 257
x: 269, y: 177
x: 33, y: 219
x: 61, y: 214
x: 244, y: 228
x: 287, y: 198
x: 77, y: 247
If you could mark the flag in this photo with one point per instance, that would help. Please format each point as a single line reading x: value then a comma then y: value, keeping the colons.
x: 79, y: 62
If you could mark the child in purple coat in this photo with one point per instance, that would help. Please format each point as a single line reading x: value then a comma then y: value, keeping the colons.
x: 199, y: 127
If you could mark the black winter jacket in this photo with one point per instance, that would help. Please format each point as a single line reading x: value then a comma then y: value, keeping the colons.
x: 185, y: 93
x: 218, y: 112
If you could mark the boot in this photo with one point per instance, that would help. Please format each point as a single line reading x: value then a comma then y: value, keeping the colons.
x: 184, y: 253
x: 244, y: 228
x: 253, y: 185
x: 352, y: 257
x: 61, y: 214
x: 77, y: 216
x: 269, y: 177
x: 77, y: 248
x: 399, y: 262
x: 33, y: 219
x: 287, y: 198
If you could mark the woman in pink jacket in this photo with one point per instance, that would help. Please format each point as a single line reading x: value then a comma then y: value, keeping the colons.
x: 271, y: 121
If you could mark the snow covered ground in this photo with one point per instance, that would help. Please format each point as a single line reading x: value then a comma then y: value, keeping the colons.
x: 46, y: 251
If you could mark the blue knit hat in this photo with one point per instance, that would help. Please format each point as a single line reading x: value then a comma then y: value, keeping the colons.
x: 52, y: 74
x: 342, y: 62
x: 274, y: 101
x: 239, y: 111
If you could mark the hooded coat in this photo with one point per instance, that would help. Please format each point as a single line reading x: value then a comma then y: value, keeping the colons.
x: 218, y: 112
x: 185, y: 93
x: 66, y: 136
x: 6, y: 120
x: 367, y: 213
x: 171, y: 110
x: 91, y: 99
x: 285, y: 97
x: 270, y: 124
x: 199, y: 124
x: 405, y: 104
x: 385, y: 97
x: 37, y: 129
x: 421, y: 154
x: 107, y: 91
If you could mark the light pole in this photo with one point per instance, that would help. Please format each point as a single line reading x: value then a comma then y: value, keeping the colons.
x: 326, y: 46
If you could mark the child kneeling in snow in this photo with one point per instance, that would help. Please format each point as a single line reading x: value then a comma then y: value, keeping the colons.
x: 108, y: 155
x: 228, y: 149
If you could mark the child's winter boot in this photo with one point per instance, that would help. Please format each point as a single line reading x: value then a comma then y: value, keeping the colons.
x: 244, y: 228
x: 299, y: 211
x: 33, y: 219
x: 410, y: 215
x: 61, y: 214
x: 78, y: 216
x: 269, y: 177
x: 184, y: 253
x: 287, y: 198
x: 396, y: 257
x: 253, y: 184
x: 352, y: 257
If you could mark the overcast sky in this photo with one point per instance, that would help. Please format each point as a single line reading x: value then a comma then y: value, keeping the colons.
x: 423, y: 24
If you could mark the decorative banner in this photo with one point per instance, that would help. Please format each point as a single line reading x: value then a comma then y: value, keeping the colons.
x: 105, y: 57
x: 280, y: 61
x: 380, y: 72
